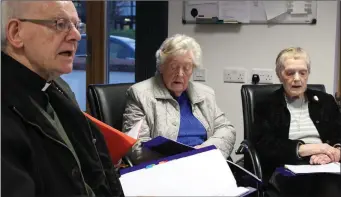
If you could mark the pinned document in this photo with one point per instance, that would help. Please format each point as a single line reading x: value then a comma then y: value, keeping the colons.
x: 299, y: 7
x: 238, y: 11
x: 274, y: 9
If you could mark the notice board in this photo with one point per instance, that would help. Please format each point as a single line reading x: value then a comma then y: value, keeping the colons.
x: 262, y: 12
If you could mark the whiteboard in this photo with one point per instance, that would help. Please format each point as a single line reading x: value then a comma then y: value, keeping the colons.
x: 262, y: 12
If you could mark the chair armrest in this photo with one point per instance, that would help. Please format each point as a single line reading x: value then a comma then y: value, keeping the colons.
x: 247, y: 147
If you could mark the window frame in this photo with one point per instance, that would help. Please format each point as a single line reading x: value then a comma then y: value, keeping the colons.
x: 338, y: 89
x: 97, y: 39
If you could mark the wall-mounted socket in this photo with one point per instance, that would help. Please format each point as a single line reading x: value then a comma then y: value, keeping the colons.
x: 235, y: 75
x: 265, y: 75
x: 199, y: 74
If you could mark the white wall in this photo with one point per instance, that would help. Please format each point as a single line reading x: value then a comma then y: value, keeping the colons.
x: 337, y: 48
x: 256, y: 46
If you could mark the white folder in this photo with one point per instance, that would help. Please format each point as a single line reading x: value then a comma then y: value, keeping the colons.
x: 200, y: 172
x: 332, y: 168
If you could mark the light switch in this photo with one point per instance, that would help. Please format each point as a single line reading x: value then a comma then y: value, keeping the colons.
x: 199, y: 74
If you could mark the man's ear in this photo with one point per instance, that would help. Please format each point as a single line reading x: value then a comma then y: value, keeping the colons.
x: 13, y: 29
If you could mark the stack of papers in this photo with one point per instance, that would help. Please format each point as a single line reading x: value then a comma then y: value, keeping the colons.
x: 200, y: 172
x: 333, y: 168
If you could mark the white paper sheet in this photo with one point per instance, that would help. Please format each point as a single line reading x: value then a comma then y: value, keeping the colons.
x: 135, y: 131
x: 274, y: 9
x: 202, y: 174
x: 298, y: 7
x: 333, y: 168
x: 234, y: 11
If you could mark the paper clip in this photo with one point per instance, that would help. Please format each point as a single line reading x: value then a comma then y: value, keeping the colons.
x: 150, y: 166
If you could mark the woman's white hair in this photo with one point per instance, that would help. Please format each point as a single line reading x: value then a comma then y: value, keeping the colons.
x: 291, y: 53
x: 178, y: 44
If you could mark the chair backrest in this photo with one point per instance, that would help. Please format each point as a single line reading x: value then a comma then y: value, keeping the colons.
x: 253, y: 94
x: 107, y: 102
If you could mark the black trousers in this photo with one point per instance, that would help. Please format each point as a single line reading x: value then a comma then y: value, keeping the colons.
x: 311, y: 185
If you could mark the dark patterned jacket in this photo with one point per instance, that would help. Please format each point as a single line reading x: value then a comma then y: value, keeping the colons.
x: 272, y: 122
x: 35, y: 161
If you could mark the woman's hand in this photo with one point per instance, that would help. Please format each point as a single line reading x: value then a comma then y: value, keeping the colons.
x: 314, y: 149
x: 338, y: 155
x: 320, y: 159
x: 333, y: 153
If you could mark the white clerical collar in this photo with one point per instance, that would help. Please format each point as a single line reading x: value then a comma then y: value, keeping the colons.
x: 47, y: 84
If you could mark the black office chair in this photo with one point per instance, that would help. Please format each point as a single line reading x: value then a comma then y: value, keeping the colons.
x: 338, y: 100
x: 251, y: 95
x: 107, y: 103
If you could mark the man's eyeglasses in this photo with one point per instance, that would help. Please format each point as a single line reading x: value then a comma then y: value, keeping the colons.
x: 59, y: 24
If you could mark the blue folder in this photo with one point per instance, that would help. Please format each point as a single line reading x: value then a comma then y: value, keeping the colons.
x: 150, y: 164
x: 285, y: 172
x: 166, y: 147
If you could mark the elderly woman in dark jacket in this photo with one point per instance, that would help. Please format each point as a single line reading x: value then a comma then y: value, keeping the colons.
x: 297, y: 125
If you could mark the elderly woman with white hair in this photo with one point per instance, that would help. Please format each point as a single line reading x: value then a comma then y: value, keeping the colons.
x: 297, y: 125
x: 175, y: 107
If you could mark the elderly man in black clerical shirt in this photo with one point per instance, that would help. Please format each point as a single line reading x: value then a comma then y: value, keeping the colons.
x: 48, y: 147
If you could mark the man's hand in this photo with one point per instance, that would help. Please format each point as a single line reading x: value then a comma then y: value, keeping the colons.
x: 320, y: 159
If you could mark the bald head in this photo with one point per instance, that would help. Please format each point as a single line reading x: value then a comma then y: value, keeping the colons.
x: 41, y: 35
x: 25, y: 9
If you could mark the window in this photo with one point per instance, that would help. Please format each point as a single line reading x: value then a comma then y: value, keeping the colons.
x: 81, y: 50
x: 77, y: 78
x: 121, y: 41
x: 116, y: 42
